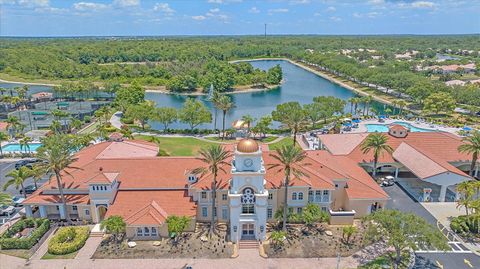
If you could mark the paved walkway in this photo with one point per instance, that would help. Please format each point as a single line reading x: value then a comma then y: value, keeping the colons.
x: 115, y: 120
x: 42, y: 249
x: 87, y: 251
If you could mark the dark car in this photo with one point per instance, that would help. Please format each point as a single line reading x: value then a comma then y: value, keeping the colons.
x: 29, y: 189
x: 28, y: 163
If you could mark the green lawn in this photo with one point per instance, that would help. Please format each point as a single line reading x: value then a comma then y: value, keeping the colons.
x: 283, y: 142
x: 180, y: 146
x: 49, y: 256
x: 230, y: 140
x: 21, y: 253
x: 90, y: 129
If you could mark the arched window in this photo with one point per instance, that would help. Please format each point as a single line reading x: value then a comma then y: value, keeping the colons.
x: 248, y: 201
x: 300, y: 196
x: 294, y: 196
x: 248, y: 196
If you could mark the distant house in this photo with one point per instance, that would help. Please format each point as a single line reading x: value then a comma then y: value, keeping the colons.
x: 453, y: 68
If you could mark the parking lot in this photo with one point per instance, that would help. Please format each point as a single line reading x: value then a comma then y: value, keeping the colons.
x: 7, y: 165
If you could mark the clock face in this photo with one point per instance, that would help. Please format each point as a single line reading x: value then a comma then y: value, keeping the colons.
x: 248, y: 162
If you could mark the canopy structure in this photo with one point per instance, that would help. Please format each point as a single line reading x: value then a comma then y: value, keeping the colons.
x: 39, y: 113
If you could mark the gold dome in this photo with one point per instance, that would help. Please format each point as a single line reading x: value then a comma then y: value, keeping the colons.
x: 247, y: 146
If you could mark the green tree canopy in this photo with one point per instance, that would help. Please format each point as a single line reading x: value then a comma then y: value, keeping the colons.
x: 439, y: 102
x: 194, y: 113
x: 165, y: 115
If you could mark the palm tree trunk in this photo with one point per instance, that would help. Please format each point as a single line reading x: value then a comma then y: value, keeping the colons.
x: 472, y: 166
x: 35, y: 183
x: 214, y: 192
x: 351, y: 108
x: 285, y: 199
x: 223, y: 125
x: 215, y: 120
x: 1, y: 150
x: 375, y: 160
x: 23, y: 190
x: 62, y: 196
x: 294, y: 137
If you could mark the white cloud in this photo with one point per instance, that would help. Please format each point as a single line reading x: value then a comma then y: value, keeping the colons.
x: 278, y: 10
x: 423, y: 4
x: 370, y: 15
x: 376, y: 2
x: 331, y: 9
x: 333, y: 18
x: 223, y: 1
x: 126, y: 3
x: 164, y: 7
x: 89, y: 6
x: 215, y: 1
x: 34, y: 3
x: 254, y: 10
x: 299, y: 2
x: 50, y: 10
x: 357, y: 15
x: 214, y: 10
x: 199, y: 18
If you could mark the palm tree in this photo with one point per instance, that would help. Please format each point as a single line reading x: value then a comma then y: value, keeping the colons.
x: 12, y: 124
x: 25, y: 143
x: 367, y: 100
x: 5, y: 199
x: 37, y: 174
x: 377, y: 143
x: 215, y: 157
x: 352, y: 101
x: 18, y: 178
x: 289, y: 158
x: 215, y: 101
x: 471, y: 146
x: 466, y: 191
x: 3, y: 137
x: 225, y: 104
x: 56, y: 155
x: 401, y: 104
x: 248, y: 119
x: 2, y: 91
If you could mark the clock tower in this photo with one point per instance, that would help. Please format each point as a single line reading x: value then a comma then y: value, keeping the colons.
x: 248, y: 196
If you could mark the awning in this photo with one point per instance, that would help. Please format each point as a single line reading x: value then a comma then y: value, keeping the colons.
x: 39, y: 113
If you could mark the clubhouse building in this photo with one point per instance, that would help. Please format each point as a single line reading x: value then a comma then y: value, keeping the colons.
x: 126, y: 178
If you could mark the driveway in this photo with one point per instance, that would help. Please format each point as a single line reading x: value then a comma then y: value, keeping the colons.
x: 400, y: 200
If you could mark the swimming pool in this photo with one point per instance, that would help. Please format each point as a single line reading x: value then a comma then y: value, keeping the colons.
x: 13, y: 147
x: 371, y: 128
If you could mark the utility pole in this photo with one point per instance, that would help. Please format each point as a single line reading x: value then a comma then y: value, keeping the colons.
x: 265, y: 30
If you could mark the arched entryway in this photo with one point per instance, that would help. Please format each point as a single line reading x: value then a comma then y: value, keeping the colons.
x: 102, y: 210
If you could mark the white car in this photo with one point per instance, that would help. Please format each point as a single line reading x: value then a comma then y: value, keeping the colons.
x: 7, y: 210
x: 17, y: 201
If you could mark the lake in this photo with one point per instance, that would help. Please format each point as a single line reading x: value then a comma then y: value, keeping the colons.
x: 299, y: 85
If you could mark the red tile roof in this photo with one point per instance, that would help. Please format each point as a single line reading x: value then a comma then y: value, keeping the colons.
x: 151, y: 207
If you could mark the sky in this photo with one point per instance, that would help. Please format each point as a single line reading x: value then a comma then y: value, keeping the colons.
x: 236, y: 17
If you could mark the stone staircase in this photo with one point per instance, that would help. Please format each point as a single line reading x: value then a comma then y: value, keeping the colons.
x: 96, y: 231
x: 248, y: 244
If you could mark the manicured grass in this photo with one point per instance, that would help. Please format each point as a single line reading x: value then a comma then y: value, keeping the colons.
x: 49, y: 256
x: 90, y: 129
x: 230, y: 140
x: 180, y: 146
x: 20, y: 253
x: 283, y: 142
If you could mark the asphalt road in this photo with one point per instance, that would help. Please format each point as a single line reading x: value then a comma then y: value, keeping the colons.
x: 6, y: 166
x: 401, y: 201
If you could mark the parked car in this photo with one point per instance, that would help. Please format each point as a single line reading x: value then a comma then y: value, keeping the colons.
x: 29, y: 189
x: 7, y: 210
x: 387, y: 181
x: 17, y: 200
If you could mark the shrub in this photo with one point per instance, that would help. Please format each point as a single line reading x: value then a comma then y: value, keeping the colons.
x: 465, y: 224
x: 7, y: 242
x: 68, y: 240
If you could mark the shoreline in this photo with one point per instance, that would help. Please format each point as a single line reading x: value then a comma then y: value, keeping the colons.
x: 321, y: 74
x: 268, y: 88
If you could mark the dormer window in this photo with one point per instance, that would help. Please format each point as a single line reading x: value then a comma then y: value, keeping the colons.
x: 192, y: 178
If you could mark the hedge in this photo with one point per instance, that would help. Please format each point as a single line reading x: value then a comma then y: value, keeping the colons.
x: 68, y: 240
x: 8, y: 242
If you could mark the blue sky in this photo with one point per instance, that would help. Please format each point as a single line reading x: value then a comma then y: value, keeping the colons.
x: 236, y: 17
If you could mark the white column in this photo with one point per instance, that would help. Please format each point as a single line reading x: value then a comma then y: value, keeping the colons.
x: 476, y: 171
x: 28, y: 211
x: 62, y: 211
x: 43, y: 211
x: 396, y: 172
x: 443, y: 193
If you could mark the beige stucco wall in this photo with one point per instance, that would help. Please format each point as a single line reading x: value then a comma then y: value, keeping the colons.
x: 341, y: 220
x: 131, y: 231
x: 362, y: 207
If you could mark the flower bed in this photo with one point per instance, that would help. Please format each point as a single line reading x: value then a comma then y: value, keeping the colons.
x: 39, y: 227
x: 467, y: 227
x: 68, y: 240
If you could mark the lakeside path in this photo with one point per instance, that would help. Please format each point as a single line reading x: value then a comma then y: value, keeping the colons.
x: 321, y: 74
x: 29, y: 83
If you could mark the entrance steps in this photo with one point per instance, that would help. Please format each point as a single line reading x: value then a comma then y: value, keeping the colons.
x: 96, y: 231
x: 248, y: 244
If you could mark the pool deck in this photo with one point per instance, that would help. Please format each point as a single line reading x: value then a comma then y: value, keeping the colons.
x: 362, y: 126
